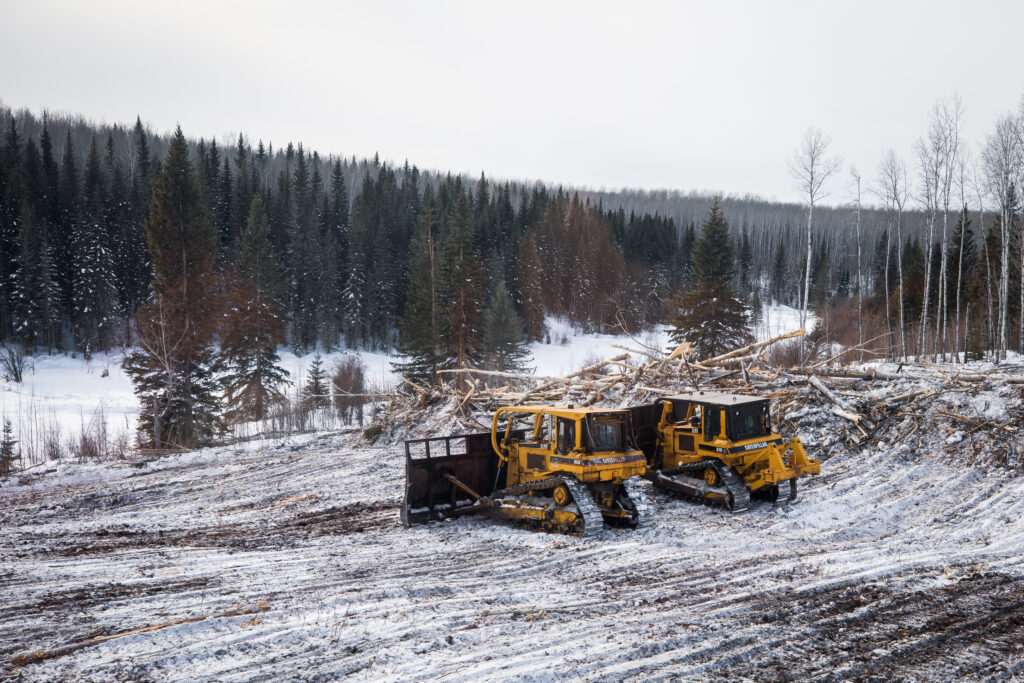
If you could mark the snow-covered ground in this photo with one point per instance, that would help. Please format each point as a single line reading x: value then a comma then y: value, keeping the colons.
x: 67, y: 394
x: 892, y: 565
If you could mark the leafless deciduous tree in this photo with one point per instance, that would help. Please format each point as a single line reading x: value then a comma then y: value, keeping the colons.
x: 1020, y: 170
x: 812, y: 167
x: 855, y: 174
x: 894, y: 189
x: 947, y: 121
x: 1002, y: 160
x: 929, y: 164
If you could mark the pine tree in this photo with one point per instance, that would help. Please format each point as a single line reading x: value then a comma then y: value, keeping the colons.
x: 315, y: 394
x: 504, y: 347
x: 8, y: 449
x: 710, y: 315
x: 253, y: 327
x: 173, y: 371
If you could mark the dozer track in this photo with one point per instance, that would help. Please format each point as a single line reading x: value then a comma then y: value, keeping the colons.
x: 510, y: 504
x: 642, y: 503
x: 732, y: 494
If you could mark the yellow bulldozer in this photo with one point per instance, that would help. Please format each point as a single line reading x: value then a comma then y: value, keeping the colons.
x: 570, y: 471
x: 719, y: 449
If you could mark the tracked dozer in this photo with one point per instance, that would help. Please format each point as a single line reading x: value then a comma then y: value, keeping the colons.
x: 719, y: 449
x: 571, y: 471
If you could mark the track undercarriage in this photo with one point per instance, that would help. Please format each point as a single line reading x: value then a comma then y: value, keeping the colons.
x: 563, y: 504
x: 712, y: 482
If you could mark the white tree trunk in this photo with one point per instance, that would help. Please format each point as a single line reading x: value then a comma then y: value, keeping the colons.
x: 940, y: 318
x: 1004, y: 282
x: 921, y: 340
x: 888, y: 296
x: 807, y: 270
x: 959, y: 285
x: 860, y: 280
x: 899, y: 266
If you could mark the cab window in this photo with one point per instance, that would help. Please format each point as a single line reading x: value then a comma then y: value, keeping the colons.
x: 606, y: 435
x: 749, y: 422
x: 566, y: 435
x: 712, y: 423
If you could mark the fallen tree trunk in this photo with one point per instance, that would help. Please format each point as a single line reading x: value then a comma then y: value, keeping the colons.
x: 563, y: 380
x: 751, y: 347
x: 847, y: 410
x: 498, y: 373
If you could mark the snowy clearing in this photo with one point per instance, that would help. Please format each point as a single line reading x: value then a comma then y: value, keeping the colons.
x: 892, y: 564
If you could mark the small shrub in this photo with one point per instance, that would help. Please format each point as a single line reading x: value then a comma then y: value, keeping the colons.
x: 373, y: 432
x: 12, y: 363
x: 348, y: 379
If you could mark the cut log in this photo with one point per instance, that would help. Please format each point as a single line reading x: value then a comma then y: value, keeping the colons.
x: 838, y: 400
x: 497, y: 373
x: 747, y: 349
x: 563, y: 380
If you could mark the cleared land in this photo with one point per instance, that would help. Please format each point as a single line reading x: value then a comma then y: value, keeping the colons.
x: 894, y: 564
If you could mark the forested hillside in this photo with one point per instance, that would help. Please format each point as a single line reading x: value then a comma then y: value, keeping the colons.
x: 450, y: 269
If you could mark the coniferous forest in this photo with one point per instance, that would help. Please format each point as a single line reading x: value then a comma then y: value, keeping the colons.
x: 204, y: 257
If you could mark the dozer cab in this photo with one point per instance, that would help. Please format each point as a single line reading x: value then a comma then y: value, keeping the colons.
x: 570, y: 471
x: 719, y: 448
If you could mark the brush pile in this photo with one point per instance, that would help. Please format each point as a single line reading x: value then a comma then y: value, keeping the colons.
x: 972, y: 412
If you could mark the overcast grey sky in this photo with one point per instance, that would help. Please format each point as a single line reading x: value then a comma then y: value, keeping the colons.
x: 688, y: 95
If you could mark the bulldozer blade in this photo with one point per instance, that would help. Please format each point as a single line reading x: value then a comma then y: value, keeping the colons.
x: 448, y: 476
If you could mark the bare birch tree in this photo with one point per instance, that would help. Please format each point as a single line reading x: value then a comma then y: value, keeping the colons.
x: 812, y: 167
x: 962, y: 162
x: 1002, y: 159
x: 894, y: 189
x: 948, y: 117
x: 929, y: 160
x: 1020, y: 171
x: 855, y: 174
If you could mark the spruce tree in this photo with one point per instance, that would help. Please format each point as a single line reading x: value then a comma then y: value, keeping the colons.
x: 315, y: 393
x: 48, y: 192
x: 37, y: 311
x: 173, y: 371
x: 10, y: 228
x: 462, y: 283
x: 253, y: 327
x: 780, y: 284
x: 710, y: 315
x: 420, y: 339
x: 128, y: 251
x: 94, y: 296
x: 746, y: 259
x: 62, y: 234
x: 504, y: 347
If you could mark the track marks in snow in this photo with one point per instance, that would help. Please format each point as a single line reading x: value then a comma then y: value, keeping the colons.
x: 886, y: 556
